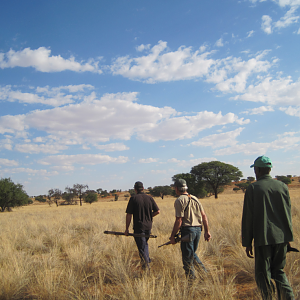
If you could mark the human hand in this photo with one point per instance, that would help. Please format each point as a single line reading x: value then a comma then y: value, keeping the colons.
x: 249, y: 252
x: 207, y: 236
x: 172, y: 240
x: 126, y: 232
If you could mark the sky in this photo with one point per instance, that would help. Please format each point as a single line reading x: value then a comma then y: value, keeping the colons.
x: 106, y: 93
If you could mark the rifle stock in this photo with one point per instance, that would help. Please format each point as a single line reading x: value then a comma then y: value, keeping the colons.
x: 178, y: 239
x: 131, y: 234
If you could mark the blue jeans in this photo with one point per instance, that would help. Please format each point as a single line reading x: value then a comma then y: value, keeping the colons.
x: 142, y: 245
x: 188, y: 249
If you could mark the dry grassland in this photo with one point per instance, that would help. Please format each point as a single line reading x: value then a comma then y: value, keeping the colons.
x: 62, y: 253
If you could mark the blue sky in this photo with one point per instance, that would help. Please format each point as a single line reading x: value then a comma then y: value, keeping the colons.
x: 106, y: 93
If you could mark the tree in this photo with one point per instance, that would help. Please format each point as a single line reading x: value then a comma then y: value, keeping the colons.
x: 216, y: 174
x: 195, y: 188
x: 40, y: 198
x: 69, y: 196
x: 11, y: 194
x: 90, y: 198
x: 284, y: 179
x: 250, y: 178
x: 243, y: 185
x: 131, y: 192
x: 56, y: 193
x: 79, y: 190
x: 236, y: 189
x: 161, y: 191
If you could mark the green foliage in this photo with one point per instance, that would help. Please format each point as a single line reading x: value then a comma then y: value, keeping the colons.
x: 131, y: 192
x: 284, y: 179
x: 243, y: 185
x: 126, y: 196
x: 40, y: 198
x: 79, y: 190
x: 216, y: 174
x: 116, y: 197
x: 90, y: 198
x: 196, y: 188
x: 236, y: 189
x: 113, y: 191
x: 250, y: 178
x: 69, y: 196
x: 161, y: 191
x: 104, y: 193
x: 11, y: 194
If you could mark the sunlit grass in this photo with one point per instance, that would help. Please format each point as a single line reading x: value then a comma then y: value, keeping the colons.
x: 62, y: 253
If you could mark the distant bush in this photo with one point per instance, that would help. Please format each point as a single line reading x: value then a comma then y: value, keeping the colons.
x: 40, y: 198
x: 284, y: 179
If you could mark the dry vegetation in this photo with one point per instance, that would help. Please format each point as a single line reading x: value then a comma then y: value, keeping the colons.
x: 62, y: 253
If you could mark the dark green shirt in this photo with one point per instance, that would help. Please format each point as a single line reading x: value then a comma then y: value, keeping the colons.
x: 267, y: 213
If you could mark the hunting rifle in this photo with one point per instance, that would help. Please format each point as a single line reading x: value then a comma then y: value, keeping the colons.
x: 178, y: 238
x: 131, y: 234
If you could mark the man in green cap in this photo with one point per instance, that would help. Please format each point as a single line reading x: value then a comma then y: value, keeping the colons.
x: 190, y: 217
x: 267, y: 220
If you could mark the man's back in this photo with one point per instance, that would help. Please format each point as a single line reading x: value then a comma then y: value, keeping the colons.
x: 142, y: 206
x: 268, y: 212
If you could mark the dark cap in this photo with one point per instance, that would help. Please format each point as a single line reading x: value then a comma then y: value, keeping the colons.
x: 138, y: 185
x: 180, y: 183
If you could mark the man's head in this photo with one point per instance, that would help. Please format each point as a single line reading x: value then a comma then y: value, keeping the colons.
x: 262, y: 166
x: 180, y: 185
x: 138, y: 186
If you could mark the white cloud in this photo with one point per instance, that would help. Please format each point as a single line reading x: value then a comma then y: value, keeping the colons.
x: 8, y: 162
x: 219, y: 42
x: 42, y: 61
x: 82, y: 159
x: 28, y: 171
x: 286, y: 142
x: 266, y: 25
x: 250, y: 33
x: 284, y: 3
x: 45, y: 95
x: 114, y: 116
x: 112, y: 147
x: 148, y: 160
x: 143, y: 47
x: 273, y: 92
x: 159, y: 171
x: 291, y: 111
x: 219, y: 140
x: 258, y: 110
x: 288, y: 19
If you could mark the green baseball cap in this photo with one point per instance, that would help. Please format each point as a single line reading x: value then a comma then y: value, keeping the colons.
x: 180, y: 183
x: 262, y: 162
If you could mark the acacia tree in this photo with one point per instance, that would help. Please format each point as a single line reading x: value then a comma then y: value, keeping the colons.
x: 11, y: 194
x: 216, y: 174
x: 194, y: 187
x: 79, y: 190
x: 69, y: 195
x: 56, y: 194
x: 161, y: 191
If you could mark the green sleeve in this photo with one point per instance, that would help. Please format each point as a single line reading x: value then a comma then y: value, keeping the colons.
x: 247, y: 219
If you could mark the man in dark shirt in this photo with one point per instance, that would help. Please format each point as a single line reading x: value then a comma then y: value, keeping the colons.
x: 143, y: 208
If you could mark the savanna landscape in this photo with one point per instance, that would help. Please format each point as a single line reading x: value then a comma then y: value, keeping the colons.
x: 62, y: 253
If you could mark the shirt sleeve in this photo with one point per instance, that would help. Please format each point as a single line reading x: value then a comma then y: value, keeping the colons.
x: 129, y: 209
x: 247, y: 218
x: 179, y: 211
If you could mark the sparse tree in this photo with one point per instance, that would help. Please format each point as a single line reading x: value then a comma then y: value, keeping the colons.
x: 250, y: 178
x: 11, y: 194
x: 90, y: 198
x: 40, y: 198
x: 56, y: 194
x: 243, y: 185
x: 216, y: 174
x: 79, y: 190
x: 69, y: 196
x: 161, y: 191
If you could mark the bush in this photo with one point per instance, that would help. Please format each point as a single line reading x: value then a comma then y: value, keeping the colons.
x: 40, y: 198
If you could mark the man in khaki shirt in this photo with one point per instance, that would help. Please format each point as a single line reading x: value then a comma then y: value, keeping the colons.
x: 190, y: 217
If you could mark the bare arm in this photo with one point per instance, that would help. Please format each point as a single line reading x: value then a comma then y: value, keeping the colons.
x: 128, y: 221
x: 249, y: 252
x: 207, y: 234
x: 176, y: 227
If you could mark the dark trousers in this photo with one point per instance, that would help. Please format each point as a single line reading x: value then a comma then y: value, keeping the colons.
x: 142, y: 245
x: 188, y: 249
x: 269, y: 263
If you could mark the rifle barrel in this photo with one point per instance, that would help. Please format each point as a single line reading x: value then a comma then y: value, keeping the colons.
x: 131, y: 234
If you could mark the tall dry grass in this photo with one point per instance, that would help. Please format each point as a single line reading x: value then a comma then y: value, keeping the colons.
x: 62, y: 253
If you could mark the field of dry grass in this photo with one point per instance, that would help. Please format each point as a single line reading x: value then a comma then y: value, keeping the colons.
x: 62, y: 253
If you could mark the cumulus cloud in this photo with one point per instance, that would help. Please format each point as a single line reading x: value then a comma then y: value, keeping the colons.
x: 45, y: 95
x: 219, y: 140
x: 114, y: 116
x: 288, y: 19
x: 8, y: 162
x: 266, y: 24
x: 82, y: 159
x: 258, y: 110
x: 28, y: 171
x: 148, y: 160
x: 219, y: 43
x: 42, y: 60
x: 112, y: 147
x: 287, y: 141
x: 291, y: 111
x: 280, y: 91
x: 190, y: 163
x: 143, y: 47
